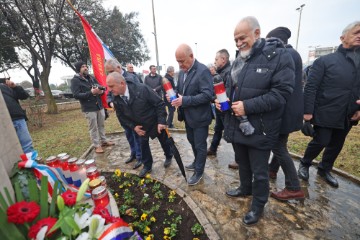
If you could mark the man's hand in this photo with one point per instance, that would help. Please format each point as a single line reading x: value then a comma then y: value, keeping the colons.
x: 308, y: 117
x: 10, y: 84
x: 238, y: 108
x: 176, y: 102
x: 356, y: 116
x: 139, y: 131
x: 96, y: 91
x: 358, y: 102
x: 161, y: 127
x: 167, y: 97
x: 217, y: 104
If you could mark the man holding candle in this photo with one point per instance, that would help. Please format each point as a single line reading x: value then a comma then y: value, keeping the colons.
x: 143, y: 110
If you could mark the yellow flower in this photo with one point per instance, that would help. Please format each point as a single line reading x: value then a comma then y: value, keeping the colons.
x: 172, y: 193
x: 125, y: 174
x: 129, y: 185
x: 116, y: 195
x: 153, y: 219
x: 147, y: 229
x: 149, y: 237
x: 142, y: 181
x: 196, y: 239
x: 148, y: 175
x: 166, y: 237
x: 118, y: 172
x: 121, y: 186
x: 143, y: 217
x: 167, y: 231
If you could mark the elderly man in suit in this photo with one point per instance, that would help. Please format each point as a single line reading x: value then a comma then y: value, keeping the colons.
x: 195, y: 92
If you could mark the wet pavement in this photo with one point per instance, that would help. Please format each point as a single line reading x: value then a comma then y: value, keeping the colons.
x: 326, y: 213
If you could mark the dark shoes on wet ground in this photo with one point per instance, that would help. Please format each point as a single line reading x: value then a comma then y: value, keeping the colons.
x: 328, y: 178
x: 195, y: 178
x: 144, y: 171
x: 211, y: 152
x: 190, y: 167
x: 107, y: 144
x: 167, y: 162
x: 137, y: 164
x: 237, y: 192
x: 303, y: 171
x: 286, y: 194
x: 233, y: 165
x: 252, y: 217
x: 130, y: 159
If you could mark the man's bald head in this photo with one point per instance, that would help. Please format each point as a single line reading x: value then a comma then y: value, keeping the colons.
x: 116, y: 83
x: 184, y: 56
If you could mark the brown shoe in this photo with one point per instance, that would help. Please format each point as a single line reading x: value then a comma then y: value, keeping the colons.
x: 286, y: 194
x: 272, y: 174
x: 233, y: 165
x: 210, y: 152
x: 108, y: 143
x: 99, y: 150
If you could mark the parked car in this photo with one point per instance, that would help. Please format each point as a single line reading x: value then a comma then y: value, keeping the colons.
x: 31, y: 92
x: 57, y: 94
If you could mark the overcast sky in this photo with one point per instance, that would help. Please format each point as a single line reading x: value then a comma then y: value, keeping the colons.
x: 208, y: 26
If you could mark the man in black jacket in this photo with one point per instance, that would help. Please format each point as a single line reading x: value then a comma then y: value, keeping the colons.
x: 141, y: 109
x: 87, y: 90
x: 154, y: 80
x: 262, y: 80
x: 292, y: 120
x: 12, y: 94
x: 330, y: 95
x: 195, y: 91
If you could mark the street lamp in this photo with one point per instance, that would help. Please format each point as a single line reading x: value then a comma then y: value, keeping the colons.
x: 196, y: 50
x: 156, y: 45
x: 300, y: 10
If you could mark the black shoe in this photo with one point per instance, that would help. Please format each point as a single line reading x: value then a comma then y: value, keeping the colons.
x: 328, y: 178
x: 130, y: 159
x: 144, y: 171
x: 211, y: 152
x: 252, y: 217
x: 190, y: 167
x: 137, y: 164
x: 167, y: 162
x: 303, y: 172
x: 195, y: 179
x: 237, y: 192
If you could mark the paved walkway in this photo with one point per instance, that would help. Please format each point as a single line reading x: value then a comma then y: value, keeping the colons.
x: 326, y: 213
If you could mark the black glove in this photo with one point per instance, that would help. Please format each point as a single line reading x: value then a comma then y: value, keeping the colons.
x: 307, y: 129
x: 245, y: 126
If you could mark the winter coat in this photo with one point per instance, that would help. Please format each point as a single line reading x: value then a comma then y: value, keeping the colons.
x: 12, y: 97
x: 332, y: 89
x: 144, y: 108
x: 265, y: 83
x: 154, y: 82
x: 81, y: 88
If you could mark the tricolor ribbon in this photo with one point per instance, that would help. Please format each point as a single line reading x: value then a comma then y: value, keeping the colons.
x: 119, y: 231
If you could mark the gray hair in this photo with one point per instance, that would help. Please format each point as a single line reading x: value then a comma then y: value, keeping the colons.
x: 170, y: 69
x: 113, y: 62
x: 224, y: 53
x: 349, y: 27
x: 117, y: 77
x: 210, y: 65
x: 252, y: 21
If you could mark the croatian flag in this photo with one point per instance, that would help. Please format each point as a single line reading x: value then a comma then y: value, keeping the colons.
x: 99, y: 52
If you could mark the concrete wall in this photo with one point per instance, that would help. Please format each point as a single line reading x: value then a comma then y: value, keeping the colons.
x: 65, y: 106
x: 10, y: 148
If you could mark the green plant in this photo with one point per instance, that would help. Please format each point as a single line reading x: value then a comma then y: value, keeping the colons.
x: 172, y: 196
x: 197, y: 229
x: 159, y: 195
x: 128, y: 197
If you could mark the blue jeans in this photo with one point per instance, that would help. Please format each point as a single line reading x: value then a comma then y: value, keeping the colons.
x: 23, y: 135
x: 134, y: 142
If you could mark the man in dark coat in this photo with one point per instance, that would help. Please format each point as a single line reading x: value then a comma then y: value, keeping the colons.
x: 12, y: 94
x: 86, y: 89
x: 130, y: 70
x: 330, y: 96
x: 112, y: 65
x: 262, y: 80
x: 141, y: 109
x: 292, y: 120
x: 195, y: 91
x: 170, y: 72
x: 154, y: 80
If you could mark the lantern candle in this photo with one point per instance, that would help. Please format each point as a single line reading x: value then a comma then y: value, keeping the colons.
x: 82, y: 169
x: 92, y: 173
x: 52, y: 161
x: 74, y: 171
x: 103, y: 181
x: 65, y: 168
x: 101, y: 197
x: 220, y: 92
x: 90, y: 163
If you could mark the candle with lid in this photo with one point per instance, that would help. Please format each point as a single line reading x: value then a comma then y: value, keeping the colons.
x: 101, y: 197
x: 94, y: 183
x: 92, y: 173
x: 65, y: 167
x: 52, y: 161
x: 82, y: 169
x: 103, y: 181
x: 90, y: 163
x: 74, y: 171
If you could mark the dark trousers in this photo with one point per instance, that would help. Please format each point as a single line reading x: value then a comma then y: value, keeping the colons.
x: 197, y: 138
x: 218, y: 131
x: 171, y: 111
x: 282, y: 158
x: 253, y: 171
x: 147, y: 158
x: 329, y: 138
x: 134, y: 142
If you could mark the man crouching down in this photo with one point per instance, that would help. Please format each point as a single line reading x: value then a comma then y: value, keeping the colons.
x: 143, y: 110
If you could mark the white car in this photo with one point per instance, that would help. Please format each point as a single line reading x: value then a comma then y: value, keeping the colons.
x: 57, y: 93
x: 31, y: 92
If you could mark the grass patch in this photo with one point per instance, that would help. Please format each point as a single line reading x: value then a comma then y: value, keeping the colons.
x: 68, y: 132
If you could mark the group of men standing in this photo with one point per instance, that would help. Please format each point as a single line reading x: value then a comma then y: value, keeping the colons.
x: 264, y: 87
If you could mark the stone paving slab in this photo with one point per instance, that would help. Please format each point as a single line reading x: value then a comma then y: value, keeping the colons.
x: 326, y: 213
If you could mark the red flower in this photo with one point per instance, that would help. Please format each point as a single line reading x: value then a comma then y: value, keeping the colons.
x: 22, y: 212
x: 34, y: 229
x: 103, y: 212
x: 69, y: 198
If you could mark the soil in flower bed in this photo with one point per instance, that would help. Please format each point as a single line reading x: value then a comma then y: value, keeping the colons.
x: 152, y: 209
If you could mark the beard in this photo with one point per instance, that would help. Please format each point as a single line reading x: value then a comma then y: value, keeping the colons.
x: 246, y: 53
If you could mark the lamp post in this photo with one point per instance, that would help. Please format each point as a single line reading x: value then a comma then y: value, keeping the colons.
x: 156, y: 45
x: 300, y: 10
x: 196, y: 50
